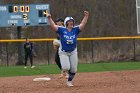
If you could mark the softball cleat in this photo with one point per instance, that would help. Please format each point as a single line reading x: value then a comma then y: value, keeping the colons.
x: 69, y: 84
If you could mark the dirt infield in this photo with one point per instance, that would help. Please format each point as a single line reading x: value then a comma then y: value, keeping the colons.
x: 97, y: 82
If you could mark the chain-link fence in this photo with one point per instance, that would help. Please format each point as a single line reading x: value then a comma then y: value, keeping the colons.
x: 89, y: 51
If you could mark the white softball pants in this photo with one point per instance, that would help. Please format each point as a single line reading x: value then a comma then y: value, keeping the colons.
x: 68, y: 60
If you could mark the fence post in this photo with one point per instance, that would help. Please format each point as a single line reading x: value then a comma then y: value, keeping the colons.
x: 20, y: 61
x: 134, y: 50
x: 92, y: 51
x: 48, y: 52
x: 7, y: 53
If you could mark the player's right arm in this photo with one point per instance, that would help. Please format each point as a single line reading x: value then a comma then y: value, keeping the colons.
x: 52, y: 24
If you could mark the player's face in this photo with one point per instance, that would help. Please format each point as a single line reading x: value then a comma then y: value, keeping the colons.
x: 27, y: 40
x: 70, y: 24
x: 60, y: 23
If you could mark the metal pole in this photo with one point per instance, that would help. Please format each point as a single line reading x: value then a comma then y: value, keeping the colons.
x: 134, y: 48
x: 19, y: 46
x: 7, y: 53
x: 92, y: 51
x: 137, y: 13
x: 48, y: 52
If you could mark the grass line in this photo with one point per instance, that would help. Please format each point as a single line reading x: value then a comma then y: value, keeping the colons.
x: 53, y: 69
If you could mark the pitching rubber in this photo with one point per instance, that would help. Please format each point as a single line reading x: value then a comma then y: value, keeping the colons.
x: 42, y: 79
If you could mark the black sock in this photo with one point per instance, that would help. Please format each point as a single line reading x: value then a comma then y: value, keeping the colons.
x: 71, y: 76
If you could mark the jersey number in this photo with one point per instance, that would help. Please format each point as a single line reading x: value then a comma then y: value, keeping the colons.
x: 69, y: 41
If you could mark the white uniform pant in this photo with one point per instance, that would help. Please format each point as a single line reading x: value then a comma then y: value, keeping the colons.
x: 69, y: 60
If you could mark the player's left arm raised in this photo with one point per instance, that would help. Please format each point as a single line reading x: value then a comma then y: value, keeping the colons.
x: 84, y: 21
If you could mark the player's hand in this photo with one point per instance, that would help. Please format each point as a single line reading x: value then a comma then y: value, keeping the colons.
x: 49, y: 15
x: 86, y: 13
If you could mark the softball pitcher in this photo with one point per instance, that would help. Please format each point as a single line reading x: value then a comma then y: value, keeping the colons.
x: 68, y: 50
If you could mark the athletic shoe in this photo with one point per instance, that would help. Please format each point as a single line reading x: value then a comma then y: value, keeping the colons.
x: 61, y: 76
x: 25, y: 67
x: 69, y: 84
x: 67, y: 76
x: 32, y: 66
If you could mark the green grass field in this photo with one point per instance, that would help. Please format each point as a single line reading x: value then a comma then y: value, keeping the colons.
x: 53, y: 69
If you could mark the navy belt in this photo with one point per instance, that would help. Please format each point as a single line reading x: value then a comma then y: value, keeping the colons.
x: 67, y: 51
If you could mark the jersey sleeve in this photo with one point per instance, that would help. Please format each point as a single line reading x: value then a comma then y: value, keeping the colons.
x: 31, y: 46
x: 60, y: 30
x: 77, y: 30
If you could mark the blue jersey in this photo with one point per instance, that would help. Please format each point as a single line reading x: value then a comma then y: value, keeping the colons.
x: 68, y: 38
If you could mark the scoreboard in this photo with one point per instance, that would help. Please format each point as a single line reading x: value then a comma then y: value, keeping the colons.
x: 24, y: 15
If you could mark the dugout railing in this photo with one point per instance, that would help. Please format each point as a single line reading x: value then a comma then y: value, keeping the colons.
x: 10, y: 56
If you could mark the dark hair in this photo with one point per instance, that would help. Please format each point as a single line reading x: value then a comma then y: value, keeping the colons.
x: 58, y: 37
x: 59, y: 20
x: 27, y: 38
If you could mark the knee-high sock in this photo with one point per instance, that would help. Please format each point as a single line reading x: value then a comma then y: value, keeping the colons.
x: 71, y: 76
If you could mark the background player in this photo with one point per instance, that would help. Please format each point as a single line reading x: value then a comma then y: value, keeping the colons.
x: 28, y: 48
x: 56, y: 44
x: 68, y: 37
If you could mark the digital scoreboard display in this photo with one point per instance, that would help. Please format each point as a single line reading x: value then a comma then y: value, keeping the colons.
x: 24, y: 15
